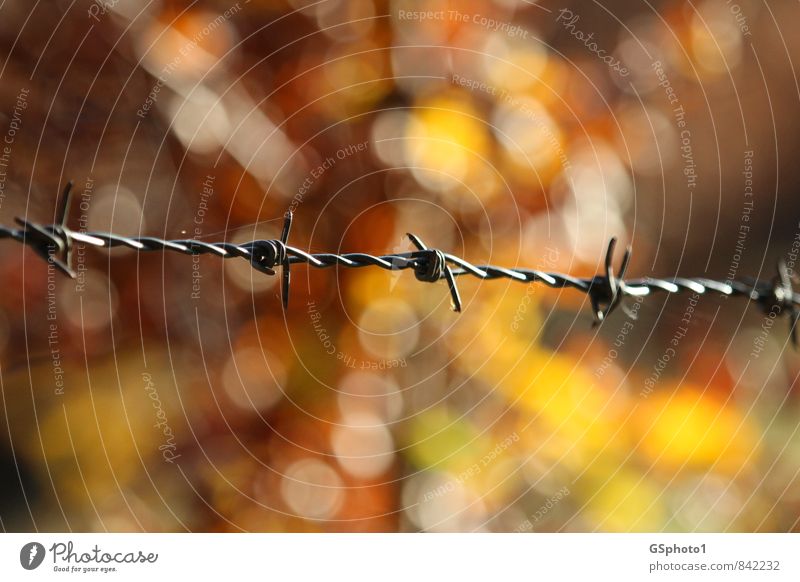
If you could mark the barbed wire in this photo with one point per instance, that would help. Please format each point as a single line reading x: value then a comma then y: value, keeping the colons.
x: 54, y: 243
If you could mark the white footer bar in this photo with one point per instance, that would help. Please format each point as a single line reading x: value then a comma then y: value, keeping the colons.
x: 382, y: 557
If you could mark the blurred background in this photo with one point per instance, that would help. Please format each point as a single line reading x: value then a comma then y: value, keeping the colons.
x: 163, y: 392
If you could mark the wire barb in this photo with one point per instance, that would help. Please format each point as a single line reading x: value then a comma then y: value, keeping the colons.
x: 431, y: 266
x: 52, y: 242
x: 779, y: 296
x: 265, y: 255
x: 606, y: 291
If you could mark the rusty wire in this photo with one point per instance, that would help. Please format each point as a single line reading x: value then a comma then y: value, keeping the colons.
x: 54, y: 243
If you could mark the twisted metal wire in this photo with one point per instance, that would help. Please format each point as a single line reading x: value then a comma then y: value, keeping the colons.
x: 54, y: 243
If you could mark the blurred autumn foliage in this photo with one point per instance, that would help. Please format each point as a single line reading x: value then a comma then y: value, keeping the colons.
x: 163, y: 392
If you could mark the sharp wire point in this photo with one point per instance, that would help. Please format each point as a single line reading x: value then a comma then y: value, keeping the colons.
x: 284, y: 259
x: 61, y: 230
x: 416, y: 242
